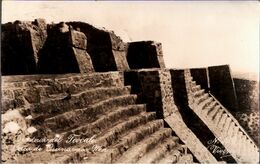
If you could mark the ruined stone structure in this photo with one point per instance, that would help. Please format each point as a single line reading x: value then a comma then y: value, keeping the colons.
x: 115, y: 101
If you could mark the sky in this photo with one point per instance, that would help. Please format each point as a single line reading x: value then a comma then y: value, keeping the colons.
x: 193, y: 34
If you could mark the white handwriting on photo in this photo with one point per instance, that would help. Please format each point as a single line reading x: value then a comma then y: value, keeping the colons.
x: 89, y: 144
x: 213, y: 146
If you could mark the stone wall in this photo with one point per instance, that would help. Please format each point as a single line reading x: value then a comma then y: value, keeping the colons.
x: 154, y: 88
x: 64, y: 51
x: 248, y: 101
x: 145, y: 54
x: 222, y: 86
x: 21, y: 43
x: 21, y: 91
x: 78, y: 47
x: 107, y: 50
x: 200, y: 76
x: 151, y: 90
x: 35, y: 47
x: 247, y: 92
x: 157, y: 91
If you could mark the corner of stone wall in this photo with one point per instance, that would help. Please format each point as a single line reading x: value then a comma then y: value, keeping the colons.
x: 145, y: 54
x: 78, y: 41
x: 156, y: 88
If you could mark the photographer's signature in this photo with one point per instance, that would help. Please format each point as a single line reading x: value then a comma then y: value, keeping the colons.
x: 213, y: 146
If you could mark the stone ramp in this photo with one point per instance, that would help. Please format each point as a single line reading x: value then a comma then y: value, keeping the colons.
x: 97, y: 105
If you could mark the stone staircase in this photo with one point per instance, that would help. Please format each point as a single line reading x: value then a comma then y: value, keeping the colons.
x: 220, y: 121
x: 96, y: 113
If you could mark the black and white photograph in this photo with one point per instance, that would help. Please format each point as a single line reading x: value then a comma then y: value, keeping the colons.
x: 130, y: 81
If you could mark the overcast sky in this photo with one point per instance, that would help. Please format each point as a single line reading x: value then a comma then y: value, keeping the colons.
x: 193, y: 34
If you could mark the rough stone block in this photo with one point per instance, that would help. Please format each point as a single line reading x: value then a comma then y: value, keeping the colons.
x: 200, y: 76
x: 247, y: 92
x: 120, y: 60
x: 21, y: 43
x: 145, y: 54
x: 107, y: 50
x: 84, y: 61
x: 222, y: 86
x: 65, y: 51
x: 156, y: 88
x: 78, y: 39
x: 169, y: 106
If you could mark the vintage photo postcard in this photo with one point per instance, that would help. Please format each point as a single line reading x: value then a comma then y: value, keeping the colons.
x: 130, y: 82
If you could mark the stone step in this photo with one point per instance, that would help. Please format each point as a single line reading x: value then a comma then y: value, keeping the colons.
x: 127, y: 141
x: 212, y: 104
x: 143, y: 122
x: 45, y: 92
x: 196, y: 88
x: 75, y: 118
x: 202, y: 98
x: 222, y: 120
x: 187, y: 158
x: 157, y: 153
x: 232, y: 132
x: 171, y: 157
x: 227, y: 125
x: 212, y: 111
x: 122, y: 114
x: 199, y: 93
x: 34, y: 87
x: 188, y: 78
x: 207, y: 103
x: 91, y: 80
x: 110, y: 136
x: 130, y: 116
x: 218, y: 116
x: 193, y: 83
x: 83, y: 99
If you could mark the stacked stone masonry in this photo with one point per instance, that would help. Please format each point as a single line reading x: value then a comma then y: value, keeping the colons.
x: 70, y: 47
x: 73, y: 79
x: 86, y: 105
x: 224, y: 125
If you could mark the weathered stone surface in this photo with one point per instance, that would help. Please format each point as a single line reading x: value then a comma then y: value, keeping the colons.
x: 120, y: 60
x: 99, y: 106
x: 23, y: 91
x: 21, y: 43
x: 83, y: 60
x: 42, y: 48
x: 39, y: 36
x: 222, y: 123
x: 107, y: 51
x: 145, y: 54
x: 65, y: 51
x: 190, y: 139
x: 222, y: 86
x: 169, y: 106
x: 89, y: 104
x: 154, y: 88
x: 150, y: 83
x: 247, y: 92
x: 78, y: 39
x: 200, y: 76
x: 250, y: 122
